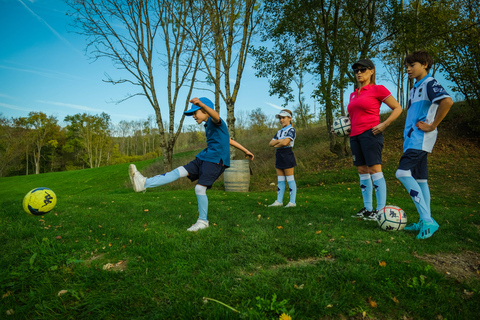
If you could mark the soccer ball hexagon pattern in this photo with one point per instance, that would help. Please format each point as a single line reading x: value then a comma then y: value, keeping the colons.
x: 342, y: 126
x: 392, y: 218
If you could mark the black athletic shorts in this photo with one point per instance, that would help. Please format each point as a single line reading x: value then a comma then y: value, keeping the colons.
x: 367, y: 148
x: 205, y: 172
x: 415, y: 161
x: 284, y: 158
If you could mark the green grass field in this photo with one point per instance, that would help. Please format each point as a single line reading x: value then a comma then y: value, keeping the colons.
x: 106, y: 252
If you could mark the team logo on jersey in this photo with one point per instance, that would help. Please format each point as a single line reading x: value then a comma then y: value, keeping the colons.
x: 437, y: 87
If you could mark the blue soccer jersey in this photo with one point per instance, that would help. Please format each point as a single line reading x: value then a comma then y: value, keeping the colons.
x: 422, y: 106
x: 218, y: 143
x: 286, y: 132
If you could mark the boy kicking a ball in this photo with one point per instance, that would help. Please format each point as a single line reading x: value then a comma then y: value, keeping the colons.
x: 207, y: 166
x: 428, y: 104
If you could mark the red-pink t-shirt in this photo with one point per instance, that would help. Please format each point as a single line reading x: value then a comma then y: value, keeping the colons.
x: 364, y: 109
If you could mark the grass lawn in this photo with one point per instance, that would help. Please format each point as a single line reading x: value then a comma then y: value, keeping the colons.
x: 106, y: 252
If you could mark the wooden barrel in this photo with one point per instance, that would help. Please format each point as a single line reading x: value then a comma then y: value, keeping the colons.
x: 237, y: 177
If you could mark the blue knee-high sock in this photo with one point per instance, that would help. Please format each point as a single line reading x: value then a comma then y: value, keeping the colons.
x: 380, y: 189
x: 426, y: 193
x: 201, y: 193
x: 367, y: 190
x: 165, y: 178
x: 292, y: 185
x: 415, y: 192
x: 281, y: 188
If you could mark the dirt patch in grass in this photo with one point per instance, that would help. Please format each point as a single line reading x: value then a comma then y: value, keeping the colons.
x: 461, y: 266
x: 117, y: 267
x: 302, y: 262
x: 292, y: 264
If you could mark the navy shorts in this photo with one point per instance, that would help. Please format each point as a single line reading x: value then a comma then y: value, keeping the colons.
x: 205, y: 172
x: 367, y: 148
x: 415, y: 161
x: 285, y: 158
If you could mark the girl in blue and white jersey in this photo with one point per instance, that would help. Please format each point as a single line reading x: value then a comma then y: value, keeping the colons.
x: 285, y: 159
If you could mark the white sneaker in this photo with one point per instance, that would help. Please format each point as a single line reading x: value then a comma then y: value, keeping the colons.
x: 138, y: 181
x: 276, y: 204
x: 200, y: 224
x: 290, y: 205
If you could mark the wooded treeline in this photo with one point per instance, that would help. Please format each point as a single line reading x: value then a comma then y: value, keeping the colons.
x: 38, y: 144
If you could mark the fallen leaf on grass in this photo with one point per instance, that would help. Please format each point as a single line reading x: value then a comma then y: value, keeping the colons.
x: 58, y: 237
x: 318, y: 232
x: 372, y: 303
x: 279, y: 227
x: 61, y: 292
x: 10, y: 312
x: 107, y: 266
x: 395, y: 300
x: 382, y: 264
x: 146, y: 210
x: 300, y: 287
x: 6, y: 294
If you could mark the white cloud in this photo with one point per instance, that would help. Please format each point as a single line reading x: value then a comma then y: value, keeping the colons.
x: 88, y: 109
x: 274, y: 106
x: 44, y: 73
x: 13, y: 107
x: 69, y: 105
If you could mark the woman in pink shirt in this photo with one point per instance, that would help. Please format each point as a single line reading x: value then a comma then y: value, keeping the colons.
x: 366, y: 138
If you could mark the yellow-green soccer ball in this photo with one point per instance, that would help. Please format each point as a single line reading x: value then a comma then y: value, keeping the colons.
x: 39, y: 201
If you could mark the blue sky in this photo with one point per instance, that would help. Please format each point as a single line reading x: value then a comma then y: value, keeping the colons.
x: 43, y: 67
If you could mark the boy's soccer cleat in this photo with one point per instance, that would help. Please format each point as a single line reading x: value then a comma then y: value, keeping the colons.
x: 414, y: 226
x: 361, y: 213
x: 290, y: 205
x: 371, y: 215
x: 200, y: 224
x: 427, y: 229
x: 276, y: 204
x: 137, y: 179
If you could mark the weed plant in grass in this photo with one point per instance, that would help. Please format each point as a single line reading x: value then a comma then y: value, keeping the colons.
x: 106, y: 252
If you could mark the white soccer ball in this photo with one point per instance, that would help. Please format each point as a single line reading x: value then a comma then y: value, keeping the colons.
x: 342, y: 126
x: 392, y: 218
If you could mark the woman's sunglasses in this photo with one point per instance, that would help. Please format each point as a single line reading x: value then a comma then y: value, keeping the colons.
x: 361, y: 70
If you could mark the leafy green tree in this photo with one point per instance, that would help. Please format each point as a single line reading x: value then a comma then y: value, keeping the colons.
x: 40, y: 128
x: 258, y: 121
x: 302, y: 115
x: 321, y: 38
x: 92, y: 134
x: 459, y: 54
x: 11, y: 147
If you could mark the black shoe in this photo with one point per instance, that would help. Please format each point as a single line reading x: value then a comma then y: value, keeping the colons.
x: 361, y: 214
x: 371, y: 215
